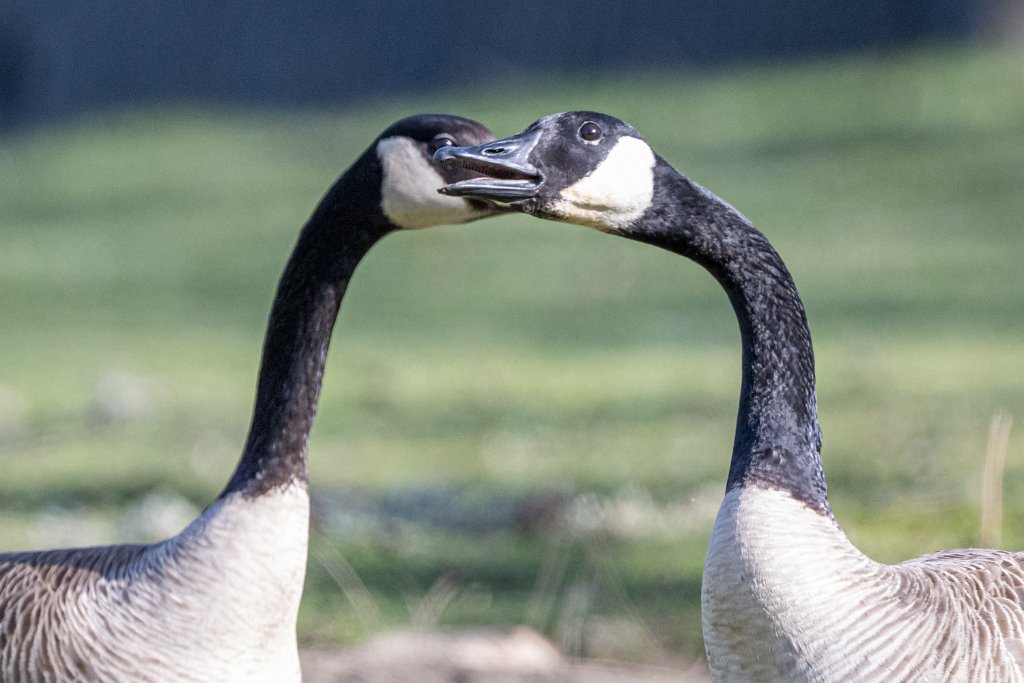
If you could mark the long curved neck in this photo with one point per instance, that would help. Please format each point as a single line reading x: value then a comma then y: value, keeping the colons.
x: 778, y: 439
x: 299, y: 330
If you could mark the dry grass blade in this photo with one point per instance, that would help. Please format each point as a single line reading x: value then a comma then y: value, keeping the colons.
x: 992, y: 480
x: 352, y: 586
x: 541, y: 604
x: 427, y: 613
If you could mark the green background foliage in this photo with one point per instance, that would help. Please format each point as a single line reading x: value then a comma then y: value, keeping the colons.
x: 483, y: 376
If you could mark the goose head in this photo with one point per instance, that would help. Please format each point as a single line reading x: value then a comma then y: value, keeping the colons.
x: 577, y: 167
x: 408, y: 179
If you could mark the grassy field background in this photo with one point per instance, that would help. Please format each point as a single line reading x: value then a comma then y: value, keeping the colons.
x: 523, y: 421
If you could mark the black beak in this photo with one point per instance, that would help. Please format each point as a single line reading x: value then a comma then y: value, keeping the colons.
x: 506, y: 173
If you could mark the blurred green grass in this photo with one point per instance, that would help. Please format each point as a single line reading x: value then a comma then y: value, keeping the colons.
x: 517, y: 357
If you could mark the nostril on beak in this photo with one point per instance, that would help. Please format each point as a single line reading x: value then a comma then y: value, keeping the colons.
x: 494, y: 150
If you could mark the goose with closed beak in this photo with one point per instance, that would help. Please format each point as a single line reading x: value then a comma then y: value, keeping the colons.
x: 785, y: 595
x: 218, y: 601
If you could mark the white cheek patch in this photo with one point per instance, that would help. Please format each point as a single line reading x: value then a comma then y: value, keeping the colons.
x: 614, y: 194
x: 409, y: 196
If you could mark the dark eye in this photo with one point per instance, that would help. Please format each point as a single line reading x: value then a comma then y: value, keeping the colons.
x: 590, y: 131
x: 440, y: 141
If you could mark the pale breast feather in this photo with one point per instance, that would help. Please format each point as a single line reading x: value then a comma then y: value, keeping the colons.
x: 217, y: 602
x: 786, y: 594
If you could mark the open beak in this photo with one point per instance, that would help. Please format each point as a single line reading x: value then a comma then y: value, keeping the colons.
x: 506, y: 173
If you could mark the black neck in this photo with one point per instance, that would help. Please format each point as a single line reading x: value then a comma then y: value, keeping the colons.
x: 336, y: 237
x: 778, y: 440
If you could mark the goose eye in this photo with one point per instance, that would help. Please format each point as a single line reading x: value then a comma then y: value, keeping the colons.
x: 590, y: 131
x: 439, y: 142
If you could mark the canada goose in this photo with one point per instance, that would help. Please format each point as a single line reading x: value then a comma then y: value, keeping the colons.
x: 786, y: 596
x: 218, y: 602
